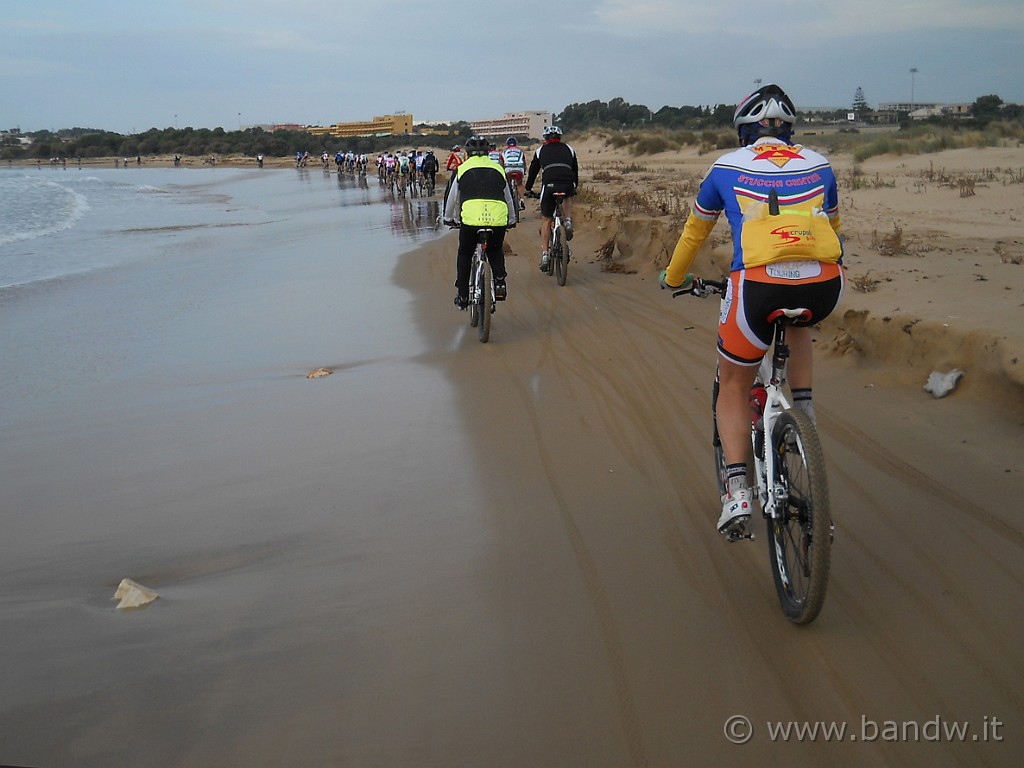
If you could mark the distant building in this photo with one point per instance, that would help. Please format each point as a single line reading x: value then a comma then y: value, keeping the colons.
x: 530, y: 124
x: 386, y: 125
x: 893, y: 110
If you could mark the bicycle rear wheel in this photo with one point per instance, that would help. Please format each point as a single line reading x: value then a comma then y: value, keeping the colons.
x: 486, y: 301
x: 474, y: 293
x: 800, y: 538
x: 561, y: 256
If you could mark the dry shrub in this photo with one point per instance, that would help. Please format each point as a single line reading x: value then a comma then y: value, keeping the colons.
x: 891, y: 244
x: 865, y: 283
x: 606, y: 250
x: 630, y: 203
x: 1005, y: 257
x: 966, y: 187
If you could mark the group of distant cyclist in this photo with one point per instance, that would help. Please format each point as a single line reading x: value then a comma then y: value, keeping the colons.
x: 781, y: 202
x: 480, y: 197
x: 408, y: 169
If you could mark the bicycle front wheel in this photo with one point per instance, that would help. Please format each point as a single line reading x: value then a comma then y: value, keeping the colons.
x: 561, y: 256
x: 800, y: 537
x: 486, y: 301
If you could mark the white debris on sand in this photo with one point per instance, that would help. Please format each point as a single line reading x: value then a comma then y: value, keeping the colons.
x: 132, y: 595
x: 941, y: 384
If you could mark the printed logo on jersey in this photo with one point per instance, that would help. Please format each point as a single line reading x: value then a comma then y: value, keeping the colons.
x: 779, y: 154
x: 789, y: 235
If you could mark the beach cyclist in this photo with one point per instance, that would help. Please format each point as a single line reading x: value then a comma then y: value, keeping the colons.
x: 555, y: 162
x: 478, y: 197
x: 514, y: 160
x: 782, y: 204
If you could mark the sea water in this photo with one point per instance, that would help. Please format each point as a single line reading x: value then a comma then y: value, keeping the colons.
x: 57, y: 222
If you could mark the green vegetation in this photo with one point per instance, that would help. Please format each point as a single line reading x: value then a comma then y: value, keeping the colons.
x: 919, y: 139
x: 203, y: 142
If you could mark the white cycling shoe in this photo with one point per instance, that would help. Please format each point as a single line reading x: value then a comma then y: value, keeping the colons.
x: 736, y: 510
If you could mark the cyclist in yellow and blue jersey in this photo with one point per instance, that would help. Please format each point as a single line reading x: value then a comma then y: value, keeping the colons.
x: 478, y: 197
x: 782, y: 204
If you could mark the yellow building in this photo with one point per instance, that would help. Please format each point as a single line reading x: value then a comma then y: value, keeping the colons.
x: 387, y: 125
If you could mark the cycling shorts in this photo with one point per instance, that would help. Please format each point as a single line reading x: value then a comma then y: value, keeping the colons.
x: 547, y: 197
x: 744, y: 333
x: 515, y: 174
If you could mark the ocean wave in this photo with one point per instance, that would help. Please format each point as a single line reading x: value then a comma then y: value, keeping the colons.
x: 38, y: 207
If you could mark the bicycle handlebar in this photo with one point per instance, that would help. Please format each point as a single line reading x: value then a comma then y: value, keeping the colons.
x: 702, y: 287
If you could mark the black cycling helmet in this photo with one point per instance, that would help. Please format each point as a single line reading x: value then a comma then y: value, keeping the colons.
x: 768, y: 111
x: 552, y: 132
x: 511, y: 141
x: 477, y: 145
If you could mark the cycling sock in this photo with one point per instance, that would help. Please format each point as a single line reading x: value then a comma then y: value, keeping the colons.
x: 735, y: 477
x: 802, y: 400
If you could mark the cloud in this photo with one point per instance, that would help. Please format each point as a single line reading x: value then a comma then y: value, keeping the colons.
x: 789, y: 21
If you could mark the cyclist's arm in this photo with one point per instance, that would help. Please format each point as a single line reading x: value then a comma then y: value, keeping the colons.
x: 451, y: 200
x: 695, y: 232
x: 534, y: 170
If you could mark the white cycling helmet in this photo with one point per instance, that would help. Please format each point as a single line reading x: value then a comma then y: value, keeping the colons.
x: 764, y: 104
x: 552, y: 131
x: 768, y: 111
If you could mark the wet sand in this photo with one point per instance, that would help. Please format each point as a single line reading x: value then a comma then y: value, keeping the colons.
x: 450, y: 553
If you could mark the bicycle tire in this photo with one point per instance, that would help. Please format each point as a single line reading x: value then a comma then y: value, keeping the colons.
x: 474, y: 306
x: 800, y: 538
x: 486, y: 302
x: 562, y: 256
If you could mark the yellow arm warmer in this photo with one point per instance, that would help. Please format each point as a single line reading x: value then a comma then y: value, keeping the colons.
x: 695, y: 232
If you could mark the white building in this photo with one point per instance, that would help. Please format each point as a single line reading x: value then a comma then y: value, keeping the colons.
x: 530, y: 124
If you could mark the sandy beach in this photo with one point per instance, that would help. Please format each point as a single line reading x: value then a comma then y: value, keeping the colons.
x: 448, y: 553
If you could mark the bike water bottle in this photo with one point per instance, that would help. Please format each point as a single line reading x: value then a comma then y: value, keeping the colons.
x: 758, y: 399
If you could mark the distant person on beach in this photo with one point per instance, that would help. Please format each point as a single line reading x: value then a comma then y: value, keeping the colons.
x: 513, y: 159
x: 455, y: 159
x: 782, y: 205
x: 430, y: 166
x: 555, y: 162
x: 478, y: 197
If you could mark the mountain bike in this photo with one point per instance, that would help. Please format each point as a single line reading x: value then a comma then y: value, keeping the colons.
x: 789, y: 468
x: 481, y: 288
x: 559, y: 251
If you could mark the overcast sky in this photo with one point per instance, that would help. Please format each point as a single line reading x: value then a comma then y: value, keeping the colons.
x: 127, y: 66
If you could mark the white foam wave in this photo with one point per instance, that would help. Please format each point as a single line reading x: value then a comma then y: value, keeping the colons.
x: 39, y: 207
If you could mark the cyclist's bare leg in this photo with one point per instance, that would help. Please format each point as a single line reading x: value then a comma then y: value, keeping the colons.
x: 800, y: 358
x: 545, y: 232
x: 732, y: 411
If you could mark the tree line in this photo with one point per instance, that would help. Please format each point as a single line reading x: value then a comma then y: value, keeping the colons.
x: 620, y: 114
x: 617, y: 114
x: 202, y: 142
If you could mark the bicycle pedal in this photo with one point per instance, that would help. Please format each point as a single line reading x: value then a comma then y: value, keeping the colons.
x: 738, y: 534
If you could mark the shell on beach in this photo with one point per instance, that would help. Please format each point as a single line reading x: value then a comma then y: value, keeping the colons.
x: 132, y: 595
x: 319, y: 373
x: 941, y: 384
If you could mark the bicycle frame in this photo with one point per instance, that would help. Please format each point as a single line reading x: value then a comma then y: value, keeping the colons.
x: 772, y: 376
